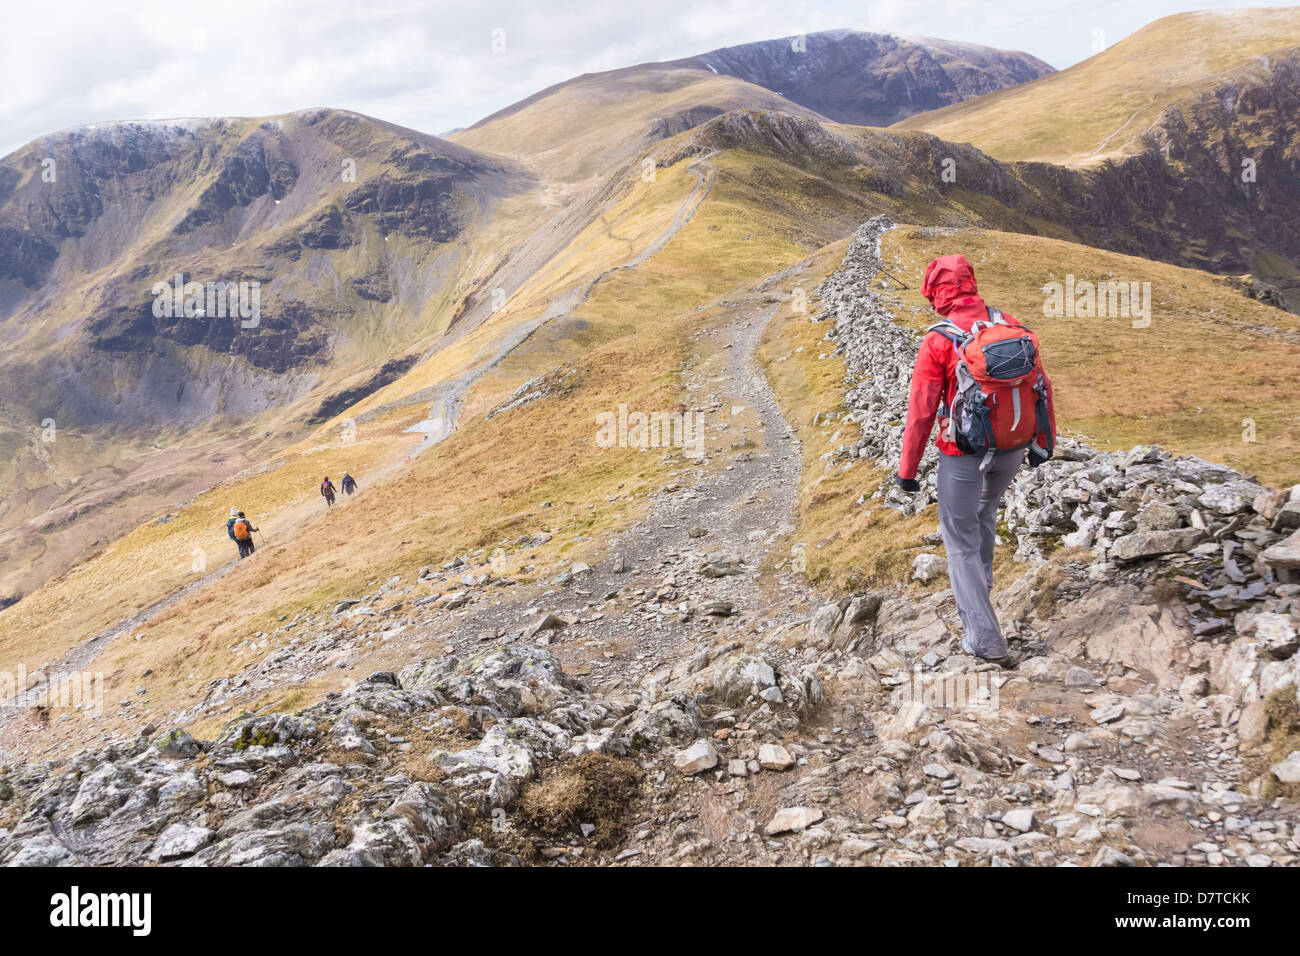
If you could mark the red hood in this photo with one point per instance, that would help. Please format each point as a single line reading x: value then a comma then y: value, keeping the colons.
x: 950, y: 282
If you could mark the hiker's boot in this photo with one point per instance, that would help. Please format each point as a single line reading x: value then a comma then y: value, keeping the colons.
x: 1007, y: 661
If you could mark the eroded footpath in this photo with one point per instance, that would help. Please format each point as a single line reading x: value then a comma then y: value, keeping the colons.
x: 685, y: 699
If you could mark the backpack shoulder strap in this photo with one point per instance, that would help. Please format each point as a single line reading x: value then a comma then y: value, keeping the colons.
x: 949, y: 330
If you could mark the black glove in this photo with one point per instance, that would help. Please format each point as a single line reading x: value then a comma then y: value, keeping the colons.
x: 908, y: 484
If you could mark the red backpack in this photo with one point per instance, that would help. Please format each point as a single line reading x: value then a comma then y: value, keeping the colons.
x: 242, y: 530
x: 1001, y: 399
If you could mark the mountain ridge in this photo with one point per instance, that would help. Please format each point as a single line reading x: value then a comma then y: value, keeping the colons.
x: 879, y: 78
x: 512, y: 599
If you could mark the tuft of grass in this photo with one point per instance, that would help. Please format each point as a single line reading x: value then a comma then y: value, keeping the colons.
x: 593, y: 788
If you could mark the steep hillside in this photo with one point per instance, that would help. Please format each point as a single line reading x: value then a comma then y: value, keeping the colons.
x: 1176, y: 209
x: 1188, y: 135
x: 584, y: 129
x: 870, y: 79
x: 345, y: 224
x: 349, y: 237
x: 1100, y: 109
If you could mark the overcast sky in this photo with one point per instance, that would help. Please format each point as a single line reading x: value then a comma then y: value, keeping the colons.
x: 432, y: 65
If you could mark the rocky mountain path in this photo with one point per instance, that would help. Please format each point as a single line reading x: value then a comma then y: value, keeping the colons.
x: 792, y: 744
x: 1077, y: 760
x: 686, y: 575
x: 1157, y: 607
x: 1135, y: 732
x: 709, y: 561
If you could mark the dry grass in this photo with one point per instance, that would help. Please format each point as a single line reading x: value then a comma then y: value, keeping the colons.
x: 1097, y: 109
x: 1283, y: 740
x: 847, y: 545
x: 594, y: 788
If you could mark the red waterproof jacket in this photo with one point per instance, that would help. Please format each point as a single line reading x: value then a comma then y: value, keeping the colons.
x: 950, y: 286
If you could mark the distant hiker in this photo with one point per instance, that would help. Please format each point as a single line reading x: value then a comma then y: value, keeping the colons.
x: 980, y: 372
x: 241, y: 532
x: 327, y: 491
x: 349, y: 484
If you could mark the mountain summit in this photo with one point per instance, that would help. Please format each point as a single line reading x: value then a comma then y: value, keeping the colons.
x: 871, y: 79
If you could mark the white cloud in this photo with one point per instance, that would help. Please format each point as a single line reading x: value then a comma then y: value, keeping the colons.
x: 430, y: 65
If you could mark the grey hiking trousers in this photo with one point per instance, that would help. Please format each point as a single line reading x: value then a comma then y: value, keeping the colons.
x: 968, y: 513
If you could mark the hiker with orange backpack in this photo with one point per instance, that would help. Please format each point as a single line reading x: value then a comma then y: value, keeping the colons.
x: 327, y: 492
x: 980, y: 372
x: 240, y: 530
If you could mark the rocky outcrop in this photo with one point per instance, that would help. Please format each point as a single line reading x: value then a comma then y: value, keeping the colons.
x: 282, y: 790
x: 399, y: 770
x: 258, y: 166
x: 797, y: 138
x: 389, y: 372
x: 1223, y: 163
x: 287, y: 335
x: 24, y: 257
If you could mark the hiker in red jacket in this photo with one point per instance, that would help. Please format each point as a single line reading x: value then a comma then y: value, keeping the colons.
x: 971, y: 483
